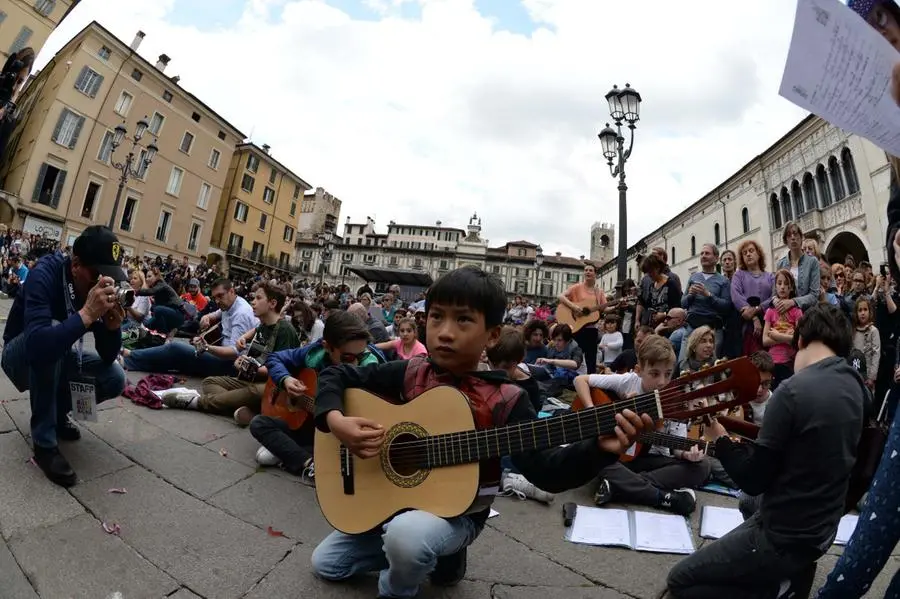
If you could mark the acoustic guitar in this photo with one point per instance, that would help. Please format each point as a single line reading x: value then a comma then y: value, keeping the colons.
x: 430, y: 456
x: 293, y: 410
x: 579, y: 320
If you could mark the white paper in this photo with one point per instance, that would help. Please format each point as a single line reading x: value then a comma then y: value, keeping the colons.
x: 845, y: 529
x: 716, y: 522
x: 839, y: 68
x: 662, y: 533
x: 84, y: 401
x: 600, y: 526
x: 163, y: 392
x: 493, y: 513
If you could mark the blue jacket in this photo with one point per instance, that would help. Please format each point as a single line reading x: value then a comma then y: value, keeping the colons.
x: 288, y: 362
x: 40, y: 313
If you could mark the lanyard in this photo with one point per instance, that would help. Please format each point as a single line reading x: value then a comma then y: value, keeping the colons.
x: 69, y: 294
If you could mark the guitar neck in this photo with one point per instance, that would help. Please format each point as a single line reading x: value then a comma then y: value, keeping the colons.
x: 675, y: 442
x: 451, y: 449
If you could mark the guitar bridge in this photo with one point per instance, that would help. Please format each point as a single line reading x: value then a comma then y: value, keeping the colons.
x: 347, y: 471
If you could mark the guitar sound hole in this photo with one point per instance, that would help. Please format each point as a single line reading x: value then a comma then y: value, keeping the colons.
x: 404, y: 458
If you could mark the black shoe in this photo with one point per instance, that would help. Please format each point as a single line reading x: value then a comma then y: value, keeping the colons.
x: 680, y: 502
x: 54, y: 465
x: 68, y: 431
x: 450, y: 569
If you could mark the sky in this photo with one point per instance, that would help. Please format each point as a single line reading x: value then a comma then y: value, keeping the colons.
x: 423, y: 110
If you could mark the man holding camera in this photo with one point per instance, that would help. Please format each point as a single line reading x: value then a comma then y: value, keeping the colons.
x: 43, y: 351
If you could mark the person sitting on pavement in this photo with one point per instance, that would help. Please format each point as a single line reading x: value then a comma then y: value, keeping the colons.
x: 166, y: 316
x: 202, y: 359
x: 43, y: 349
x: 376, y: 328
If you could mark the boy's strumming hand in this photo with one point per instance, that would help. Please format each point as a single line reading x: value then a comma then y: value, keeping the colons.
x: 363, y: 437
x: 628, y: 426
x: 294, y: 387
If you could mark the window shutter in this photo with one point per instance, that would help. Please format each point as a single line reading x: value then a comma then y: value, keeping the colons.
x: 95, y: 85
x: 40, y: 181
x: 59, y: 123
x: 77, y: 132
x: 82, y: 78
x: 57, y: 189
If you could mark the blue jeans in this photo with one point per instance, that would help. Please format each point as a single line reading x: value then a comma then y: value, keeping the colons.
x: 179, y: 357
x: 48, y: 383
x: 405, y: 554
x: 876, y: 534
x: 164, y: 319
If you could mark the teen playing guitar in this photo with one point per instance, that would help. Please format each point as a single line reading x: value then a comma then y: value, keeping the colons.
x: 584, y: 302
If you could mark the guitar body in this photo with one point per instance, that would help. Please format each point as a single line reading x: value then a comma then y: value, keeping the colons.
x: 378, y: 488
x: 293, y: 410
x: 577, y: 321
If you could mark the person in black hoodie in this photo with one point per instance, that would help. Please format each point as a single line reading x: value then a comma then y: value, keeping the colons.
x: 465, y: 311
x: 63, y: 299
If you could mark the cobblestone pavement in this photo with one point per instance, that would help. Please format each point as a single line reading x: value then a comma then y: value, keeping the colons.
x: 195, y: 519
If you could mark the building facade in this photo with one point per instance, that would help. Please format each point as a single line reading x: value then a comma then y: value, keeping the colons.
x: 28, y: 23
x: 434, y: 250
x: 833, y: 184
x: 60, y: 171
x: 319, y: 213
x: 256, y: 224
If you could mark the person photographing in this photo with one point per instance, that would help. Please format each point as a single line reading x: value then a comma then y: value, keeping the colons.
x: 43, y: 350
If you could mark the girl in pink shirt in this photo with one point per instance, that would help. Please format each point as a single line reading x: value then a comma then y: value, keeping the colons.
x: 408, y: 344
x: 778, y: 333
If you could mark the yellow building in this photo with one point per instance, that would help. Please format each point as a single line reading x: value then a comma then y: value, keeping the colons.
x: 28, y: 23
x: 60, y: 169
x: 256, y: 223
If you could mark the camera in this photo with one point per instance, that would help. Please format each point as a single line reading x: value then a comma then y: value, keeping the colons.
x: 248, y: 369
x: 124, y: 295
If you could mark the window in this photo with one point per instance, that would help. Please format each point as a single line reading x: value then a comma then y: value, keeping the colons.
x: 222, y: 135
x: 21, y: 40
x: 240, y: 212
x: 272, y: 175
x: 716, y: 234
x: 137, y: 75
x: 104, y: 53
x: 203, y: 198
x: 129, y: 213
x: 776, y: 211
x: 235, y: 242
x: 797, y: 196
x: 252, y: 163
x: 68, y: 128
x: 175, y: 178
x: 284, y: 260
x: 156, y: 123
x: 837, y: 183
x: 44, y: 7
x: 3, y: 18
x: 123, y: 104
x: 195, y: 116
x: 106, y: 148
x: 247, y: 183
x: 187, y: 142
x: 263, y: 219
x: 165, y: 223
x: 258, y: 251
x: 167, y: 96
x: 822, y: 186
x: 194, y: 236
x: 142, y: 166
x: 809, y: 192
x: 294, y: 208
x: 296, y: 190
x: 672, y: 253
x: 849, y: 171
x: 288, y: 233
x: 89, y: 82
x: 90, y: 200
x: 693, y: 246
x: 745, y: 220
x: 214, y: 157
x: 49, y: 185
x: 786, y: 205
x: 268, y: 195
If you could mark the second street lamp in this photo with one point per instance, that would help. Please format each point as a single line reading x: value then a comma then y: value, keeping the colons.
x: 128, y: 168
x: 624, y: 108
x: 538, y: 261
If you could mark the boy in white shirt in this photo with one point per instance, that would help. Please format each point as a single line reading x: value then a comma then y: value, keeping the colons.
x: 655, y: 478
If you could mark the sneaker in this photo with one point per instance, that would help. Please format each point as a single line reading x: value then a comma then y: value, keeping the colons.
x: 518, y: 485
x: 308, y: 476
x: 242, y: 416
x: 603, y: 494
x: 682, y: 502
x: 180, y: 400
x: 450, y: 569
x: 264, y: 457
x: 54, y: 465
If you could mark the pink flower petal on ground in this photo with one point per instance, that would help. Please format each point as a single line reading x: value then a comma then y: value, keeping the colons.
x: 223, y: 452
x: 111, y: 529
x: 31, y: 461
x: 274, y: 533
x: 118, y: 491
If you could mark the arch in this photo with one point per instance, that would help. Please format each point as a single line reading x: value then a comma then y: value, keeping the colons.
x: 846, y: 242
x: 776, y: 211
x: 604, y: 240
x: 849, y: 167
x: 797, y: 197
x: 837, y: 183
x: 745, y: 219
x: 823, y: 188
x: 693, y: 246
x: 716, y: 235
x: 786, y: 211
x: 809, y: 192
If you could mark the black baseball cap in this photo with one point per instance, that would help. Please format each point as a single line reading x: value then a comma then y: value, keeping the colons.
x: 98, y: 247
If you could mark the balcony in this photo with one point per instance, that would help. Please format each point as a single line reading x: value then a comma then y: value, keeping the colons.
x: 270, y: 261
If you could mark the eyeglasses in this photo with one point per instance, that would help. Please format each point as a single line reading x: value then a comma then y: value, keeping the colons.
x: 348, y: 358
x: 766, y: 384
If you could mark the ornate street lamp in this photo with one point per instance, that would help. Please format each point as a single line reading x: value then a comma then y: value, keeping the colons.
x: 538, y: 261
x: 128, y: 167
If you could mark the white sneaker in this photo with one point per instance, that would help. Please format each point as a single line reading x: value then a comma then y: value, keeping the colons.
x: 518, y: 485
x: 264, y: 457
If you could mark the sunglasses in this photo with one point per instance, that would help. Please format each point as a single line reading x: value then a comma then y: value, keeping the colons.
x: 348, y: 358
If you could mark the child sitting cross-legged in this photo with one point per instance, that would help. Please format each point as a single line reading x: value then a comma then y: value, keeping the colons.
x: 659, y: 477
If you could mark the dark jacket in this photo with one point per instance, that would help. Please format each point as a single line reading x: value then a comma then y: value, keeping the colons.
x: 162, y: 294
x: 287, y: 362
x: 39, y: 312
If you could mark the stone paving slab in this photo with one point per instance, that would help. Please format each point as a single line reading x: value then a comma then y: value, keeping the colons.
x: 210, y: 552
x: 545, y: 592
x: 91, y: 457
x: 121, y: 428
x: 76, y: 558
x: 240, y: 447
x: 14, y: 582
x: 27, y: 499
x: 19, y: 410
x: 183, y: 594
x: 190, y: 425
x: 6, y: 423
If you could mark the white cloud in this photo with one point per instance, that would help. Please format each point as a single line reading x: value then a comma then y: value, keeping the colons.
x: 432, y: 119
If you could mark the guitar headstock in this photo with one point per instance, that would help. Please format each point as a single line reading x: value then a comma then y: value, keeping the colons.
x: 737, y: 378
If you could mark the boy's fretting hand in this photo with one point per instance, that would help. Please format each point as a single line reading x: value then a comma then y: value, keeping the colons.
x: 628, y: 426
x: 363, y: 437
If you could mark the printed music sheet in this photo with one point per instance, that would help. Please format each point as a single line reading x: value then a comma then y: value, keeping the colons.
x: 839, y: 68
x: 642, y: 531
x: 601, y: 526
x: 662, y: 533
x: 716, y: 522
